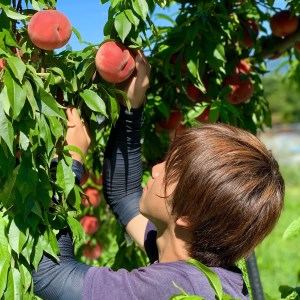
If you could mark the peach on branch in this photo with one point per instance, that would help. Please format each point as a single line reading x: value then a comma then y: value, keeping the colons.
x: 2, y: 63
x: 297, y: 46
x: 242, y: 67
x: 250, y: 33
x: 241, y: 88
x: 183, y: 67
x: 283, y: 23
x: 90, y: 224
x: 172, y: 123
x: 94, y: 197
x: 49, y: 29
x: 114, y: 62
x: 91, y: 250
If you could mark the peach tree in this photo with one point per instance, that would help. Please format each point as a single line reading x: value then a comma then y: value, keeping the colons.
x: 207, y: 63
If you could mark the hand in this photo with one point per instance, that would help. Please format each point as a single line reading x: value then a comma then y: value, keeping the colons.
x: 137, y: 85
x: 77, y: 133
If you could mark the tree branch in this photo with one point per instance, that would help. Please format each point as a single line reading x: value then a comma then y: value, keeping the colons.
x: 273, y: 45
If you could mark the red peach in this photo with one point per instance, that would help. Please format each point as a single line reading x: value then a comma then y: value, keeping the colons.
x: 242, y: 89
x: 98, y: 181
x: 49, y: 29
x: 84, y: 177
x: 183, y: 67
x: 94, y: 197
x: 172, y: 122
x: 2, y: 63
x: 242, y: 67
x: 90, y: 224
x: 92, y: 251
x: 114, y: 62
x: 297, y: 46
x: 204, y: 117
x: 283, y: 23
x: 250, y: 32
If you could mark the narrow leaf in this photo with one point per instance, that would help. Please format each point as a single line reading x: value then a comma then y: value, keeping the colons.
x: 212, y: 277
x: 94, y: 102
x: 6, y: 131
x: 76, y: 228
x: 17, y: 66
x: 141, y: 8
x: 293, y: 229
x: 122, y: 25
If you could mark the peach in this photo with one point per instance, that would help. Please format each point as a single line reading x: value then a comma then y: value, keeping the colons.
x: 250, y: 32
x: 114, y: 62
x: 90, y: 224
x: 172, y: 123
x: 242, y: 67
x: 283, y: 23
x: 204, y: 117
x: 242, y: 89
x: 92, y: 251
x: 94, y: 197
x: 297, y: 46
x: 2, y: 63
x: 49, y: 29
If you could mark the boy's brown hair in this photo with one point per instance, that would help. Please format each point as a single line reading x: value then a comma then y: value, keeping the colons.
x: 230, y: 189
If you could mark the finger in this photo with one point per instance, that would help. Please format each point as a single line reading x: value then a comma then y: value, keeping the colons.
x: 86, y: 132
x: 73, y: 115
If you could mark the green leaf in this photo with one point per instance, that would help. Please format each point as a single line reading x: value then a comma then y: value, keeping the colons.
x: 141, y: 8
x: 9, y: 292
x: 17, y: 66
x: 132, y: 17
x: 292, y: 230
x: 55, y: 127
x: 37, y: 252
x: 18, y: 293
x: 4, y: 266
x: 16, y: 95
x: 49, y: 243
x: 114, y: 3
x: 4, y: 245
x: 122, y: 25
x: 17, y: 238
x: 45, y: 133
x: 76, y: 228
x: 94, y: 102
x: 65, y: 177
x: 77, y: 33
x: 26, y: 277
x: 7, y: 193
x: 48, y: 105
x: 212, y: 277
x: 196, y: 111
x: 12, y: 14
x: 6, y: 131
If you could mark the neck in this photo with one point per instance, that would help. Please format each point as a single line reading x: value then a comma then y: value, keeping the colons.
x: 171, y: 244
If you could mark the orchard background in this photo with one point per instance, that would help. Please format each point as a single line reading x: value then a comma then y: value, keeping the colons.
x: 208, y: 60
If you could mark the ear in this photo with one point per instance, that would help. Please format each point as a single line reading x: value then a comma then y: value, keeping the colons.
x: 183, y: 221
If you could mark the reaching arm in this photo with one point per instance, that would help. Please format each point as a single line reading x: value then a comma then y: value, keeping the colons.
x: 122, y: 172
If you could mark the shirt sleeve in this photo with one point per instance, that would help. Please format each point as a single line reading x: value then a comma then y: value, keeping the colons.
x: 122, y: 167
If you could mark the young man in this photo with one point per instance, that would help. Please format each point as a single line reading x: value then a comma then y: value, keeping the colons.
x: 217, y: 195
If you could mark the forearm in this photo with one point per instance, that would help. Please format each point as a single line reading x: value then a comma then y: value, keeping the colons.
x: 122, y: 171
x: 61, y: 279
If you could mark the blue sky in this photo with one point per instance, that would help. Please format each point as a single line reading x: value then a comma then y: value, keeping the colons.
x: 90, y: 18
